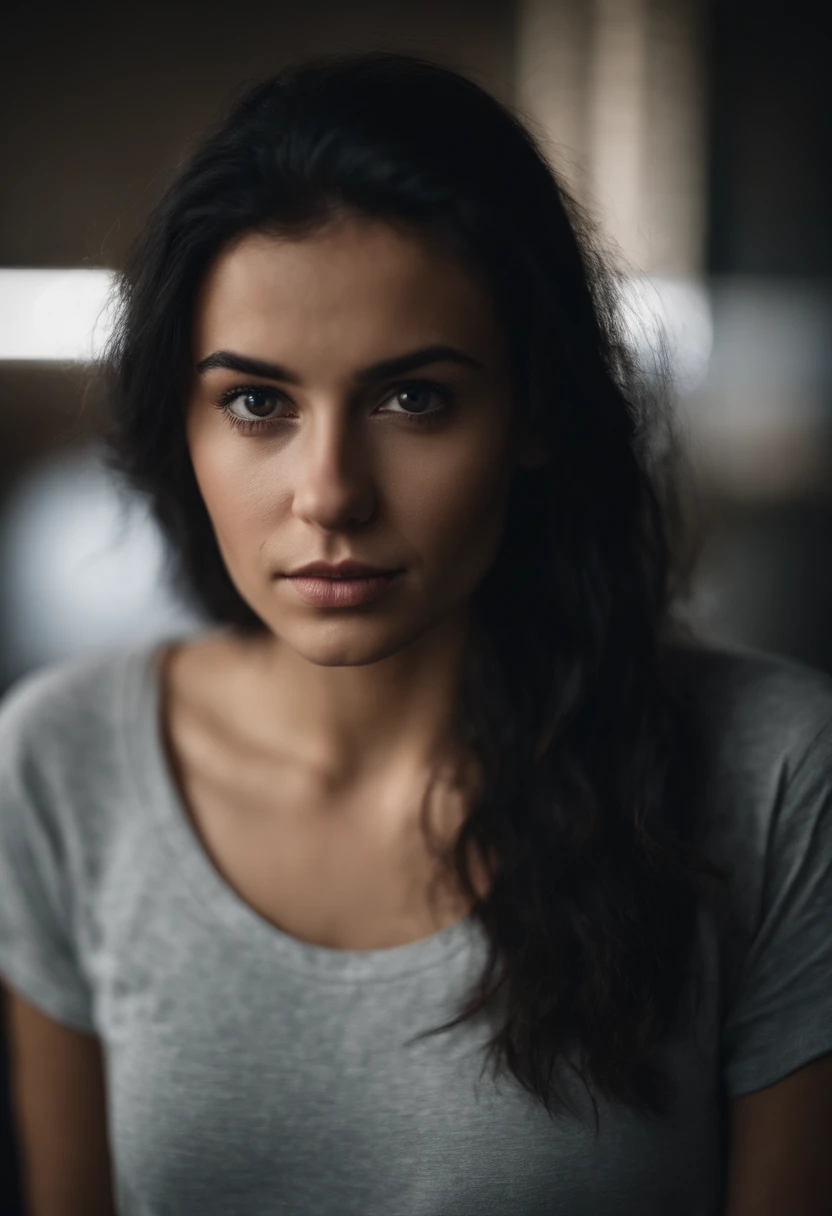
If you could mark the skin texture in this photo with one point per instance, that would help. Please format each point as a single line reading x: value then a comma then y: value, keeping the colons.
x: 344, y: 474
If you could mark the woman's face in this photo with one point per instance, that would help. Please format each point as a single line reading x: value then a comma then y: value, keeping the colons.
x: 335, y: 466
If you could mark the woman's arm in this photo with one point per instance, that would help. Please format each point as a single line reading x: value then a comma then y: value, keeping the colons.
x: 58, y: 1104
x: 781, y: 1146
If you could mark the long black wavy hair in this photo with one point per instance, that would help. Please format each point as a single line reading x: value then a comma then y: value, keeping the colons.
x: 587, y: 812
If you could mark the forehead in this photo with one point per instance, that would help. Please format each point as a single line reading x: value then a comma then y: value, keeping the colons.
x: 356, y: 283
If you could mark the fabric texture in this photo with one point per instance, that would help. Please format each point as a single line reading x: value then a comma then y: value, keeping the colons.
x: 249, y: 1072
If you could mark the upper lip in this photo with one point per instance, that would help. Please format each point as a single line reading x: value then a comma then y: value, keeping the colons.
x: 347, y: 569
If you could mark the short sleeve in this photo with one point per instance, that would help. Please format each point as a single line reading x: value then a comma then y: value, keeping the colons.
x: 38, y: 958
x: 781, y: 1016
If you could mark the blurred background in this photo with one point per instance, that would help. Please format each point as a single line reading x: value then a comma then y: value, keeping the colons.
x: 696, y: 130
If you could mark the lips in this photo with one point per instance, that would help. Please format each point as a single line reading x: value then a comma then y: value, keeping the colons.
x: 346, y: 569
x: 341, y: 592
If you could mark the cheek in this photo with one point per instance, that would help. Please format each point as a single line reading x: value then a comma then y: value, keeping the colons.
x: 234, y: 488
x: 455, y: 506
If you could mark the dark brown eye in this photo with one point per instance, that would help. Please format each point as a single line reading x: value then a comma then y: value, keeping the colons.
x: 259, y: 402
x: 416, y: 398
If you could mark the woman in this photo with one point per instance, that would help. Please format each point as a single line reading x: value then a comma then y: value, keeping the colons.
x: 473, y: 792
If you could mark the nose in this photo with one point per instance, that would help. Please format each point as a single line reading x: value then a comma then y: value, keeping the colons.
x: 334, y: 481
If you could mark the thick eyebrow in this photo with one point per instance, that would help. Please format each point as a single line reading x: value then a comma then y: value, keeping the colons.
x: 377, y: 371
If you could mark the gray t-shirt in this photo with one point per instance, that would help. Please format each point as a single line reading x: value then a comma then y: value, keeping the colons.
x: 251, y: 1073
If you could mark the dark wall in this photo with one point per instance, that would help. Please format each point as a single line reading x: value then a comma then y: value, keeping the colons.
x: 104, y: 96
x: 771, y: 118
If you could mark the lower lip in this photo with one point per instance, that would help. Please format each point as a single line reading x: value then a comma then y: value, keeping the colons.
x: 341, y: 592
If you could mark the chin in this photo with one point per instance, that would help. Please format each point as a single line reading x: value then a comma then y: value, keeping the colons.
x: 329, y: 645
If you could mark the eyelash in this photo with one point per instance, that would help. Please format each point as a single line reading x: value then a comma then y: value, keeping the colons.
x: 248, y: 426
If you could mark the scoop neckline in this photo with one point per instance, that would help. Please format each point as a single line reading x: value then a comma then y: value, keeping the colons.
x: 155, y: 794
